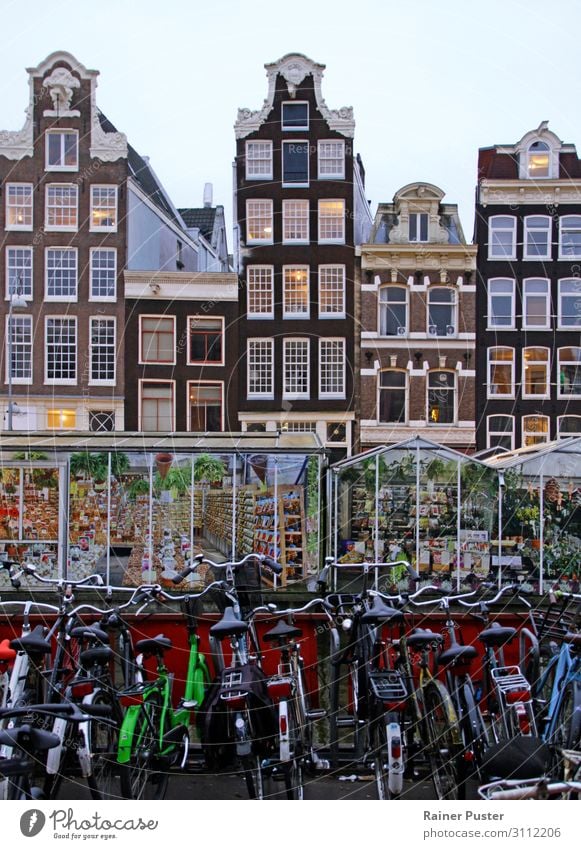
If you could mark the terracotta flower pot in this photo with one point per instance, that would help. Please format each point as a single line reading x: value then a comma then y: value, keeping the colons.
x: 163, y: 463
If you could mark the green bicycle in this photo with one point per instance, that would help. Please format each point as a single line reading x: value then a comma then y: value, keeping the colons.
x: 154, y: 736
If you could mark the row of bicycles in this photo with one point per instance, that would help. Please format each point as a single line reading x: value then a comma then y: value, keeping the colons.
x: 395, y: 692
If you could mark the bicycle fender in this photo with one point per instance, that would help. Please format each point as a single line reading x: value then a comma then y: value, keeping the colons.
x: 283, y: 732
x: 84, y: 748
x: 53, y: 760
x: 126, y: 734
x: 395, y: 755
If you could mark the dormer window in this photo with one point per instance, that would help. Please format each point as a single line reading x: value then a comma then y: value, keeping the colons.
x: 539, y: 160
x: 418, y: 227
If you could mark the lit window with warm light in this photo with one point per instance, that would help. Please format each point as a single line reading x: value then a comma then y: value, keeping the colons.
x: 19, y: 206
x: 61, y: 419
x: 539, y: 161
x: 104, y: 208
x: 441, y: 397
x: 61, y: 210
x: 535, y: 430
x: 259, y: 223
x: 535, y: 377
x: 331, y: 221
x: 295, y: 291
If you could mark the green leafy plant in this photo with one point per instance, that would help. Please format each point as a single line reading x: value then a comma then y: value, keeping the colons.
x: 139, y: 486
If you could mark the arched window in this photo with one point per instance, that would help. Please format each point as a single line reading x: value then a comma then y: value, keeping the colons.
x: 500, y: 432
x: 441, y: 311
x: 539, y: 160
x: 536, y: 302
x: 393, y: 311
x: 535, y: 373
x: 501, y: 303
x: 392, y: 396
x: 569, y: 313
x: 568, y: 426
x: 500, y: 373
x: 535, y: 430
x: 441, y: 397
x: 537, y: 237
x: 502, y: 237
x: 569, y: 236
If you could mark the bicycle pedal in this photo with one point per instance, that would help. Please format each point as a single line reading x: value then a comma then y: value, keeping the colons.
x: 314, y: 715
x: 348, y: 722
x: 190, y: 704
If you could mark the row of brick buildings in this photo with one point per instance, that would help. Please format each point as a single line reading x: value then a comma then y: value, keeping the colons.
x: 122, y: 312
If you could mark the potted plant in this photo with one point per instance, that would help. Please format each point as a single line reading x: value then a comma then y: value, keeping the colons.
x: 137, y: 488
x: 209, y: 469
x: 85, y: 465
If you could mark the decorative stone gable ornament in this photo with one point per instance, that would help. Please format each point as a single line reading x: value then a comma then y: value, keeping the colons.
x: 61, y: 84
x: 294, y: 73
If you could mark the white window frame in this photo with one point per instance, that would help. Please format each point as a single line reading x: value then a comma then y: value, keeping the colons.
x: 511, y: 295
x: 490, y: 433
x: 454, y: 390
x: 267, y: 240
x: 8, y: 206
x: 323, y: 342
x: 102, y: 298
x: 285, y: 312
x: 9, y: 326
x: 531, y: 433
x: 266, y: 145
x: 577, y: 282
x: 158, y: 317
x: 381, y: 389
x: 48, y: 206
x: 62, y: 411
x: 341, y: 288
x: 526, y: 295
x: 490, y: 362
x: 26, y: 293
x: 108, y: 381
x: 417, y: 216
x: 269, y: 287
x: 305, y: 345
x: 300, y: 129
x: 550, y: 161
x: 453, y: 333
x: 565, y: 395
x: 61, y: 131
x: 61, y: 298
x: 546, y: 363
x: 567, y: 435
x: 191, y: 326
x: 285, y: 183
x: 148, y: 381
x: 94, y: 228
x: 297, y: 203
x: 268, y: 394
x: 381, y: 307
x: 321, y: 159
x: 563, y: 226
x: 512, y: 230
x: 547, y: 229
x: 338, y: 240
x: 197, y: 383
x: 52, y: 381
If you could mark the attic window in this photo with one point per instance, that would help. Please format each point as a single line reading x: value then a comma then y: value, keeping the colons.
x: 418, y: 231
x: 295, y: 116
x: 539, y: 159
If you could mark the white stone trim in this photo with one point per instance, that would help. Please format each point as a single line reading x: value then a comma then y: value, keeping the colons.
x: 206, y: 286
x: 294, y: 67
x: 517, y: 192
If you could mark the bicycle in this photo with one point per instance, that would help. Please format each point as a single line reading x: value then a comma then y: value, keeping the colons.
x: 237, y: 717
x: 289, y: 691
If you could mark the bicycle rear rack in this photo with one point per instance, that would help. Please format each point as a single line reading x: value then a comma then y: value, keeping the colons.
x: 511, y: 684
x: 388, y: 686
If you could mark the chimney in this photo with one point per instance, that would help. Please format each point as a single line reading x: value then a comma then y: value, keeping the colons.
x: 208, y: 192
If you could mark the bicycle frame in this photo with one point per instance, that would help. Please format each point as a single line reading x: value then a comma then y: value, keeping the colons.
x: 566, y: 667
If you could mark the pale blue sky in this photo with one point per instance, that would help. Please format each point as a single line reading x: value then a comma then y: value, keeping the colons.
x: 430, y: 82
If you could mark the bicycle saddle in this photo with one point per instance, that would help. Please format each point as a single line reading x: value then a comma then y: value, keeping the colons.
x: 282, y: 631
x: 420, y: 638
x: 100, y: 654
x: 457, y: 654
x: 154, y: 645
x: 496, y: 635
x: 6, y: 653
x: 31, y: 644
x: 92, y: 632
x: 229, y: 625
x: 380, y: 613
x: 29, y: 738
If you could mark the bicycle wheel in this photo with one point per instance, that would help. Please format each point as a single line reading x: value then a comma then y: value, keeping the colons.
x: 146, y: 775
x: 442, y: 740
x: 252, y: 769
x: 567, y: 723
x: 293, y: 767
x: 105, y: 780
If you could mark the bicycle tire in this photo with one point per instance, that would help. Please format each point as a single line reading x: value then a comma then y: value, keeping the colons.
x: 106, y: 778
x: 145, y: 775
x: 252, y: 769
x: 293, y: 769
x: 442, y: 740
x: 567, y: 723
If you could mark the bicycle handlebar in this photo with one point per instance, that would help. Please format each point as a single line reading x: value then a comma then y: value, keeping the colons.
x: 512, y: 587
x: 233, y: 565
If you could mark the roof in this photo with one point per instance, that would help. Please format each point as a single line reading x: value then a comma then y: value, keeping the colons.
x: 271, y: 442
x: 415, y: 443
x: 200, y: 217
x: 143, y: 174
